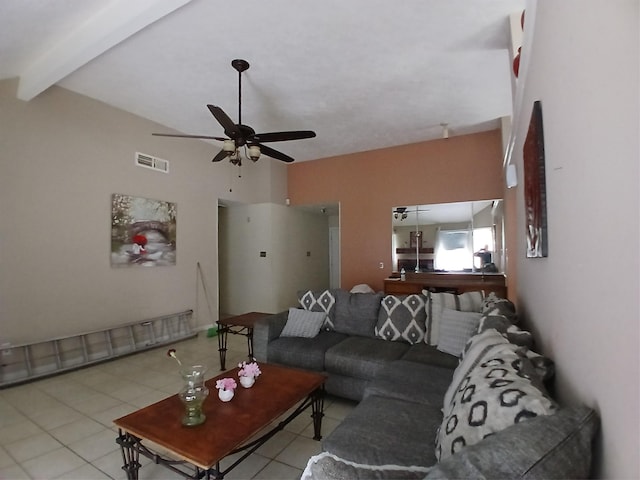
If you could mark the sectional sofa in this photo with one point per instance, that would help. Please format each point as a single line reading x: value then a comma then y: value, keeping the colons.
x: 448, y: 387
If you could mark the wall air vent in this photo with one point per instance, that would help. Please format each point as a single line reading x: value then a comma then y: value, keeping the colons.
x: 154, y: 163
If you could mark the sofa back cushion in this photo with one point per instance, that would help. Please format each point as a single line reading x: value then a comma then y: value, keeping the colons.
x: 437, y: 302
x: 545, y: 367
x: 402, y: 318
x: 320, y: 301
x: 356, y: 313
x: 492, y: 304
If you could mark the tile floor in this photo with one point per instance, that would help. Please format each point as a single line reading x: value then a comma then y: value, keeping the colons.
x: 62, y: 426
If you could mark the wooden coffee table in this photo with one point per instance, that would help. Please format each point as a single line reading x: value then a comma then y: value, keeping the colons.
x: 229, y: 428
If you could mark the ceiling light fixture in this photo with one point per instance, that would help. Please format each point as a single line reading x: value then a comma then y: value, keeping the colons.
x: 401, y: 212
x: 235, y: 159
x: 229, y: 146
x: 254, y: 152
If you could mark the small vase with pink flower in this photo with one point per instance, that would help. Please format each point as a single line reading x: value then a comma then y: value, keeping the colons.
x: 248, y: 373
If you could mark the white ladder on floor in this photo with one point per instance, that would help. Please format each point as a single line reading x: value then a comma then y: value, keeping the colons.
x: 22, y: 363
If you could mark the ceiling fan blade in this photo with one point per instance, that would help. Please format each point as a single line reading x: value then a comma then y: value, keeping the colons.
x: 230, y: 128
x: 206, y: 137
x: 283, y: 136
x: 220, y: 156
x: 270, y: 152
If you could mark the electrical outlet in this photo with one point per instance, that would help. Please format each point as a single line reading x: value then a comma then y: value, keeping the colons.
x: 381, y: 265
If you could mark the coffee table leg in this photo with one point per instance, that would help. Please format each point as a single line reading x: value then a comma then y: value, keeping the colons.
x: 222, y: 344
x: 130, y: 455
x: 317, y: 412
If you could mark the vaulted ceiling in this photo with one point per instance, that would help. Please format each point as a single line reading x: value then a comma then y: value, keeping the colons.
x: 363, y: 74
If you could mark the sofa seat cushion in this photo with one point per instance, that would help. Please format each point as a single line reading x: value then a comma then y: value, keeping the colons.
x: 386, y: 431
x: 362, y: 357
x: 346, y: 387
x: 300, y: 352
x: 429, y: 354
x: 411, y: 381
x: 548, y: 446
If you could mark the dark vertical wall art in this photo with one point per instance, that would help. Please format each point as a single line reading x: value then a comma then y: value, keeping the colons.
x: 535, y: 192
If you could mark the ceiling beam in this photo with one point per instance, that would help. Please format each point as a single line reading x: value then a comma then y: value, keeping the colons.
x: 117, y: 22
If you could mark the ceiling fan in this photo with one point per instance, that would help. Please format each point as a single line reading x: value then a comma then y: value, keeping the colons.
x: 240, y: 135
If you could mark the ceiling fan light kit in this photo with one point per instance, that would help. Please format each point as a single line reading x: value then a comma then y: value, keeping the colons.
x: 254, y: 152
x: 229, y: 146
x: 239, y: 135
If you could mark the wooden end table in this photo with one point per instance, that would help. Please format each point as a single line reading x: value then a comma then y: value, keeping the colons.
x: 196, y: 452
x: 237, y: 325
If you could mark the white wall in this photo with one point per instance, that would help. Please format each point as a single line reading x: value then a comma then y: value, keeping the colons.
x: 62, y: 155
x: 582, y: 301
x: 250, y: 282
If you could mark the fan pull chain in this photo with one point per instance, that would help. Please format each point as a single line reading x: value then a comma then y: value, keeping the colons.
x: 231, y: 176
x: 239, y: 98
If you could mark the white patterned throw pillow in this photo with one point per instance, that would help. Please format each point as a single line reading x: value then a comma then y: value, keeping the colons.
x: 401, y: 318
x: 491, y: 390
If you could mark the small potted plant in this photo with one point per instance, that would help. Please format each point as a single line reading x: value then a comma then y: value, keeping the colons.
x: 226, y: 388
x: 248, y: 373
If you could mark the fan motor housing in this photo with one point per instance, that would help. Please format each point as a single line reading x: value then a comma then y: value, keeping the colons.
x: 245, y: 132
x: 240, y: 65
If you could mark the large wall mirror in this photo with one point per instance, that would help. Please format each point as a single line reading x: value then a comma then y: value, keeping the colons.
x: 449, y: 237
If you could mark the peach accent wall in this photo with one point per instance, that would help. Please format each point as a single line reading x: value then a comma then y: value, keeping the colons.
x: 369, y: 184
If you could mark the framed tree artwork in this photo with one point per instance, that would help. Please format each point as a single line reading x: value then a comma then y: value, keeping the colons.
x: 535, y: 192
x: 143, y: 232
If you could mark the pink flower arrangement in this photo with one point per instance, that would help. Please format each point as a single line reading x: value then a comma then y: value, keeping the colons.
x: 226, y: 384
x: 249, y: 369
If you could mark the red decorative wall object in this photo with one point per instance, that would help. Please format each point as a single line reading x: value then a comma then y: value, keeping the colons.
x: 516, y: 60
x: 516, y: 63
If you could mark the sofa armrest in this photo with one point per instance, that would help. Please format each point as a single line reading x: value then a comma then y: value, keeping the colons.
x: 265, y: 331
x: 547, y: 446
